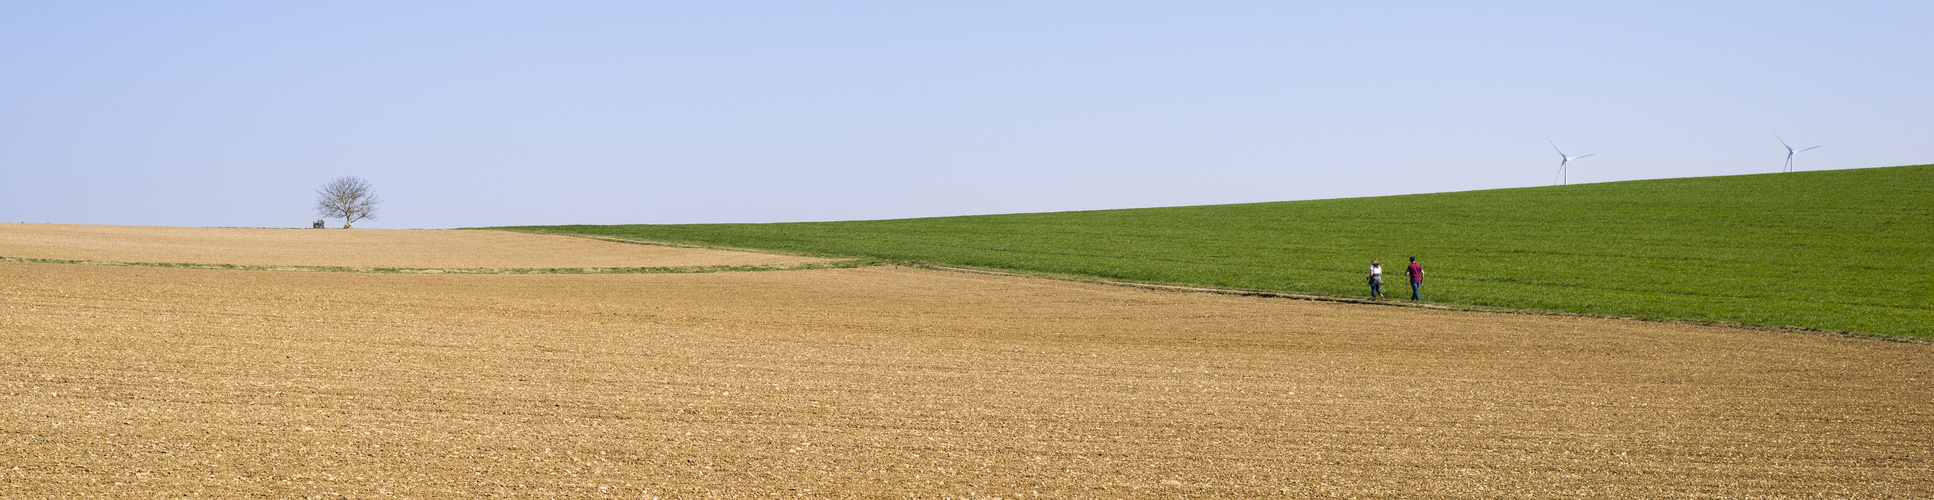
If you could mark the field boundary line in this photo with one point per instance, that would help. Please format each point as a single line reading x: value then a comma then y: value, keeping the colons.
x: 1421, y: 305
x: 831, y: 264
x: 671, y: 244
x: 1195, y: 289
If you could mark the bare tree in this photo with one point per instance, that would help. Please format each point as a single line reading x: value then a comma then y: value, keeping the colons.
x: 346, y: 198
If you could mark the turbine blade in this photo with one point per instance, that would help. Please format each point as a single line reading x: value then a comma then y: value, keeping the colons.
x: 1811, y: 148
x: 1776, y: 135
x: 1577, y: 157
x: 1554, y: 147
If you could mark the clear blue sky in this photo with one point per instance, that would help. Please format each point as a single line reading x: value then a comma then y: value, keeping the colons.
x: 500, y: 113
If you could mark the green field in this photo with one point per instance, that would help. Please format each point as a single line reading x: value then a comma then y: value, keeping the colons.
x: 1842, y: 250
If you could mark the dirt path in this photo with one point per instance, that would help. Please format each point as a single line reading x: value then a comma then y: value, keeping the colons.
x: 901, y: 382
x: 411, y: 248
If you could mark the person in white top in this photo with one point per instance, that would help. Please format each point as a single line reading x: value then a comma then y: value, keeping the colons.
x: 1376, y: 280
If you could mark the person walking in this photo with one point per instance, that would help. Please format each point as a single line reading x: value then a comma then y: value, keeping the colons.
x: 1376, y: 280
x: 1416, y: 272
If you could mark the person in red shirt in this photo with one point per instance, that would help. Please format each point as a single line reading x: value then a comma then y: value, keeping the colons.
x: 1416, y: 272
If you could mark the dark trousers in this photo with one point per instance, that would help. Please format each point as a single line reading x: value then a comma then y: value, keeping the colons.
x: 1415, y: 292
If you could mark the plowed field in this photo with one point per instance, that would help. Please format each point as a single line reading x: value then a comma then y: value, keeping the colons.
x: 897, y: 382
x: 410, y: 248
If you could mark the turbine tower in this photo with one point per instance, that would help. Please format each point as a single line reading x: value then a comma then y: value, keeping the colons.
x: 1790, y: 151
x: 1563, y: 160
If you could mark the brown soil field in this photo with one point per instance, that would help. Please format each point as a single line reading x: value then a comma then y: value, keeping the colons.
x: 408, y: 248
x: 898, y: 382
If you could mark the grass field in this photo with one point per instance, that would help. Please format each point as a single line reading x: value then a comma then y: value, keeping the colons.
x: 1843, y: 250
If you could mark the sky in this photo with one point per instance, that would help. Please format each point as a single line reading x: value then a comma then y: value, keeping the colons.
x: 476, y: 113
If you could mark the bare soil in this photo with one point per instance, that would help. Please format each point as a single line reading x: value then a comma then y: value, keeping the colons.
x: 408, y: 248
x: 896, y: 382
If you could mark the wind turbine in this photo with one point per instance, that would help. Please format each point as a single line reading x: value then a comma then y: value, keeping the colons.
x: 1790, y: 151
x: 1564, y: 159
